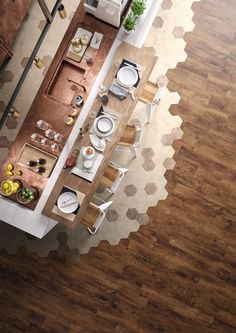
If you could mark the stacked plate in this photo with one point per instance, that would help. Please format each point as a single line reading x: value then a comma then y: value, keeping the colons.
x: 103, y: 126
x: 127, y: 76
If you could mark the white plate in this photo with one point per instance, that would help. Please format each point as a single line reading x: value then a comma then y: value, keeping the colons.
x: 127, y: 76
x: 63, y: 202
x: 98, y: 143
x: 104, y: 124
x: 97, y: 131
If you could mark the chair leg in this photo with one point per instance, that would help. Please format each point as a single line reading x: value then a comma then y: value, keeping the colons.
x: 134, y: 151
x: 149, y: 111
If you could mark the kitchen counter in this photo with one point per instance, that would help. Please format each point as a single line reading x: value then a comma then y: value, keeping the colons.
x: 33, y: 221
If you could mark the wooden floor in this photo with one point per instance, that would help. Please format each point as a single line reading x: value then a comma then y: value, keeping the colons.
x: 178, y: 273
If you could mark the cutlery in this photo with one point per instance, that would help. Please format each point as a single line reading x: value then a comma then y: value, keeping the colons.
x: 132, y: 95
x: 124, y: 89
x: 132, y: 66
x: 66, y: 201
x: 110, y: 115
x: 68, y: 204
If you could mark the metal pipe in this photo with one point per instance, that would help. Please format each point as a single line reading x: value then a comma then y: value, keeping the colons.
x: 28, y: 65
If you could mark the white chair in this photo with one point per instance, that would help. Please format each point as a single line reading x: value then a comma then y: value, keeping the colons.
x: 131, y: 138
x: 94, y: 215
x: 112, y: 177
x: 151, y: 96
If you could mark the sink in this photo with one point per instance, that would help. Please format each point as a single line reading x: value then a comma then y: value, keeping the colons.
x: 63, y: 86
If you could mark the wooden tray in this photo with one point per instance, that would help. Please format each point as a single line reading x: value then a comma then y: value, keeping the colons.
x: 32, y: 153
x: 78, y: 56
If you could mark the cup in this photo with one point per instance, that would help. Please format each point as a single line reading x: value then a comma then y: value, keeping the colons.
x: 43, y: 125
x: 54, y: 146
x: 58, y: 138
x: 45, y: 142
x: 36, y: 137
x: 102, y: 90
x: 49, y: 133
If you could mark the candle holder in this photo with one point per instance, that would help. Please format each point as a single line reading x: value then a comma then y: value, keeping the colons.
x: 62, y: 12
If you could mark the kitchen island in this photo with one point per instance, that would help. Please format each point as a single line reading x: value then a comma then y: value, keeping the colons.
x: 33, y: 221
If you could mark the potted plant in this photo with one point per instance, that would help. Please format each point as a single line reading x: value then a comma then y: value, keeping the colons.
x: 138, y: 7
x: 129, y: 22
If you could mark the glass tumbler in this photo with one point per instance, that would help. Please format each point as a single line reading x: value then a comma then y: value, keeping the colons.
x: 49, y: 133
x: 46, y: 142
x: 43, y: 125
x: 58, y: 138
x: 36, y: 137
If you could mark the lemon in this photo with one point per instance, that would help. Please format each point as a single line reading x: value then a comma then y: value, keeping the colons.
x: 18, y: 172
x: 5, y: 186
x: 15, y: 188
x: 10, y: 167
x: 9, y: 173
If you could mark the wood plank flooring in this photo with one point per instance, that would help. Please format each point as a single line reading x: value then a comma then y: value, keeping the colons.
x: 178, y: 273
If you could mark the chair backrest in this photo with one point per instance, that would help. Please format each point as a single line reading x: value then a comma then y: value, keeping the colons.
x: 109, y: 176
x: 91, y: 214
x: 148, y: 93
x: 129, y: 135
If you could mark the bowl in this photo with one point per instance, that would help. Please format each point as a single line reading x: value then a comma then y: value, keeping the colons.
x: 6, y: 187
x: 26, y: 195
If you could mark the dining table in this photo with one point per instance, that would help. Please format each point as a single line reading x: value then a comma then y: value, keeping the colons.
x: 117, y: 109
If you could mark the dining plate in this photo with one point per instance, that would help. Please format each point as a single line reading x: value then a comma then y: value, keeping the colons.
x: 127, y: 76
x: 103, y: 126
x: 67, y: 202
x: 98, y: 143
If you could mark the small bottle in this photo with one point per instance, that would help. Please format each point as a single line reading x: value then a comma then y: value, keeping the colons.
x: 81, y: 132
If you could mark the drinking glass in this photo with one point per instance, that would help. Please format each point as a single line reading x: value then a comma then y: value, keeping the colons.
x: 54, y: 146
x: 43, y: 125
x: 58, y: 138
x: 49, y: 133
x: 46, y: 142
x: 102, y: 90
x: 36, y: 137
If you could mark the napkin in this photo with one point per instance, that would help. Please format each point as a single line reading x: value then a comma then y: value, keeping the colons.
x: 118, y: 91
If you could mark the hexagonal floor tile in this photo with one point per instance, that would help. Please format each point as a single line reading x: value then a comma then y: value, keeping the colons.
x: 130, y: 190
x: 4, y: 142
x: 150, y: 188
x: 166, y: 4
x: 112, y: 215
x: 158, y: 22
x: 132, y: 214
x: 147, y: 153
x: 7, y: 76
x: 178, y: 32
x: 149, y: 165
x: 169, y: 163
